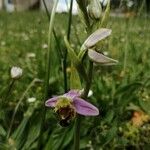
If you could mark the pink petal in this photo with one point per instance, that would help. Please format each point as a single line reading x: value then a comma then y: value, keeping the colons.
x: 72, y: 94
x: 97, y: 36
x: 85, y: 108
x: 51, y: 102
x: 100, y: 58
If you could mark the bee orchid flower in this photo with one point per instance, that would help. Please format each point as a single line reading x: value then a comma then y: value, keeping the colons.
x: 67, y: 105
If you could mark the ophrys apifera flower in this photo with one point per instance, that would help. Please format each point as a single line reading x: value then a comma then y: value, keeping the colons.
x: 70, y: 104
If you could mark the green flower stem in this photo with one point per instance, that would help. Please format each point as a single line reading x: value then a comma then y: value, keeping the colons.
x: 84, y: 96
x: 126, y: 47
x: 65, y: 53
x: 77, y: 133
x: 47, y: 71
x: 9, y: 89
x: 60, y: 53
x: 76, y: 62
x: 3, y: 101
x: 17, y: 106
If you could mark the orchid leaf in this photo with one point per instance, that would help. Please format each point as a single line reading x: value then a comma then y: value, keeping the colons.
x: 74, y: 79
x: 71, y: 52
x: 75, y: 60
x: 100, y: 58
x: 106, y: 15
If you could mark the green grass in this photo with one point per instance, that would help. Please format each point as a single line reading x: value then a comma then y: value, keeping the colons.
x: 118, y: 90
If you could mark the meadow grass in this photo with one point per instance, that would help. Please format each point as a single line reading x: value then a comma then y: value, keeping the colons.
x: 119, y: 90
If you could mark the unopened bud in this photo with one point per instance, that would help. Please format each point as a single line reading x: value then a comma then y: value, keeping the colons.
x: 16, y: 72
x: 95, y: 9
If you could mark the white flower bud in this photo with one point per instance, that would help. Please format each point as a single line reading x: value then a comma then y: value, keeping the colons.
x: 95, y: 9
x: 16, y: 72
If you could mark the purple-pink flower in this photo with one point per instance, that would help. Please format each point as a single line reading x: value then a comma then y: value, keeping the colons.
x: 70, y: 103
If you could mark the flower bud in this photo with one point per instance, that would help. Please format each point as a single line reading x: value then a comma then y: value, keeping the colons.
x: 16, y: 72
x: 95, y: 9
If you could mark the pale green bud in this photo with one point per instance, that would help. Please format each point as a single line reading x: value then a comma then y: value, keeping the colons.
x: 94, y: 9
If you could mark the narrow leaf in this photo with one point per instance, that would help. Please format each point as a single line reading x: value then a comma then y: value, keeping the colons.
x: 106, y: 15
x: 2, y: 131
x: 74, y: 79
x: 72, y: 55
x: 145, y: 105
x: 75, y: 60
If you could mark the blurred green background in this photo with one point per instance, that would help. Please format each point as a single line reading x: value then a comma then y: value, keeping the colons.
x: 120, y: 92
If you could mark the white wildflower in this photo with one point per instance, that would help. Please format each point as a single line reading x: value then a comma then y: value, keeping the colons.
x: 44, y: 46
x: 31, y: 99
x: 31, y: 55
x: 16, y: 72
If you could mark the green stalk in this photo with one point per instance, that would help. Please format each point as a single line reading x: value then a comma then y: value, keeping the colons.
x: 126, y: 47
x: 47, y: 70
x: 47, y: 74
x: 9, y: 89
x: 77, y: 133
x: 17, y: 106
x: 60, y: 53
x: 84, y: 96
x: 65, y: 53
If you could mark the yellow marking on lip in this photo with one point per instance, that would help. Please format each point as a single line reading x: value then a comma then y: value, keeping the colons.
x: 62, y: 102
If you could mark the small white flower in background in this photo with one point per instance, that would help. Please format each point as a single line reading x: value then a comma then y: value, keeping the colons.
x: 3, y: 43
x: 31, y: 55
x: 31, y: 99
x: 89, y: 94
x: 130, y: 4
x: 44, y: 46
x: 16, y: 72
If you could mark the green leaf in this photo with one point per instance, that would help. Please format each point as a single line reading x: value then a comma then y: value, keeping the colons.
x: 59, y: 138
x: 34, y: 131
x: 20, y: 134
x: 109, y: 116
x: 2, y: 131
x: 111, y: 134
x: 129, y: 88
x: 106, y: 15
x: 145, y: 105
x: 75, y: 60
x: 74, y: 79
x: 72, y: 55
